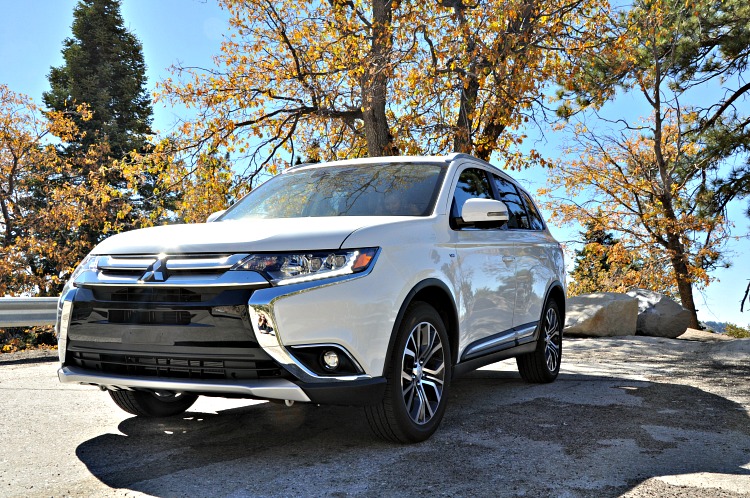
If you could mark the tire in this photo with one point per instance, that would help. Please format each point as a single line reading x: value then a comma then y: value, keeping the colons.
x: 543, y: 365
x: 147, y: 404
x: 418, y: 376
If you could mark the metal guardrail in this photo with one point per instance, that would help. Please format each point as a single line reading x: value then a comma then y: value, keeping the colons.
x: 27, y: 311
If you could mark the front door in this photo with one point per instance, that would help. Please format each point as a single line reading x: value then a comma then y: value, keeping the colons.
x: 487, y: 266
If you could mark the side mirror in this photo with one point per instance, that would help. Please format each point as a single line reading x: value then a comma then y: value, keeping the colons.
x: 215, y: 215
x: 478, y: 210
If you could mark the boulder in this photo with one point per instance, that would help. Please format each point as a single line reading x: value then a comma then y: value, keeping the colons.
x: 602, y: 314
x: 659, y: 315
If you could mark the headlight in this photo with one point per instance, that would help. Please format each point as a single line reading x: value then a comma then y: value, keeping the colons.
x: 291, y: 268
x: 89, y: 263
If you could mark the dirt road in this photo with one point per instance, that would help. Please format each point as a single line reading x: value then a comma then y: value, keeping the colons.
x: 629, y: 416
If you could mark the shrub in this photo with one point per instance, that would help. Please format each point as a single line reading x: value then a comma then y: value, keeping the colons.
x: 736, y: 331
x: 19, y: 338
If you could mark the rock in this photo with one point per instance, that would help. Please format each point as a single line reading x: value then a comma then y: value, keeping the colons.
x: 703, y: 336
x: 659, y: 315
x: 602, y: 314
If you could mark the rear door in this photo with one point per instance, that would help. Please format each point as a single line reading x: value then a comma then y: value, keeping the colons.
x: 535, y: 254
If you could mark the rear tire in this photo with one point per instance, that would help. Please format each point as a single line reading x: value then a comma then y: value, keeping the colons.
x: 147, y: 404
x: 418, y: 377
x: 543, y: 365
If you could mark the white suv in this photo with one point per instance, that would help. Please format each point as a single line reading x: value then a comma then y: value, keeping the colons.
x: 368, y: 282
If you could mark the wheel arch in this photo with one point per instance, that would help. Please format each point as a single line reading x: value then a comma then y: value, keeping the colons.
x: 437, y: 294
x: 557, y: 293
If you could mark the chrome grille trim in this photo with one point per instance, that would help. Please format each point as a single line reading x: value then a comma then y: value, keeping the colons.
x: 176, y: 263
x: 184, y: 270
x: 113, y: 263
x: 245, y: 279
x: 213, y: 263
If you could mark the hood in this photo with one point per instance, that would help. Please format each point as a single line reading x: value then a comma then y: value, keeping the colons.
x: 240, y: 236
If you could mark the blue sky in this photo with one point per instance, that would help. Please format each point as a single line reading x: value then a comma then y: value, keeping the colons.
x: 190, y: 31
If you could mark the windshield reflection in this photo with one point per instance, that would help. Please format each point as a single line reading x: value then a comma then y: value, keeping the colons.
x: 389, y: 189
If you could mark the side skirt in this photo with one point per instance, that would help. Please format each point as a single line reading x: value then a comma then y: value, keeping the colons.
x: 497, y: 352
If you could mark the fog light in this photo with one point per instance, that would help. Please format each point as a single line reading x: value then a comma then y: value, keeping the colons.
x: 331, y: 360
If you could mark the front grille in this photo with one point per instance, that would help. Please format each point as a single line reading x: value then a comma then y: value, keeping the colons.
x: 174, y: 366
x: 182, y: 333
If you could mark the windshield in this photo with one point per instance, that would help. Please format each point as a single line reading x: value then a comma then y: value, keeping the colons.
x: 388, y: 189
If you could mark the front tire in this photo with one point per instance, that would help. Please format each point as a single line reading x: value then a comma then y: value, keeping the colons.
x: 147, y: 404
x: 418, y: 377
x: 543, y: 365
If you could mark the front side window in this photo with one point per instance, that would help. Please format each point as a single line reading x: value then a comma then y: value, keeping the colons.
x: 387, y: 189
x: 472, y: 183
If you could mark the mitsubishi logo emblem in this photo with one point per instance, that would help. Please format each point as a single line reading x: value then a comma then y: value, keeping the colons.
x: 157, y: 272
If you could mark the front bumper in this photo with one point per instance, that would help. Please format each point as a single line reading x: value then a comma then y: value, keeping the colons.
x: 359, y: 392
x: 219, y: 340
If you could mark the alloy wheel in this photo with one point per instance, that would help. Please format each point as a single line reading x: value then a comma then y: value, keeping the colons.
x: 552, y: 339
x: 423, y: 372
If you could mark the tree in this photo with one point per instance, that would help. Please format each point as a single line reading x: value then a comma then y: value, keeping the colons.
x: 652, y: 208
x: 42, y: 243
x: 607, y: 264
x: 593, y: 266
x: 104, y: 68
x: 343, y: 78
x: 663, y: 182
x: 210, y: 187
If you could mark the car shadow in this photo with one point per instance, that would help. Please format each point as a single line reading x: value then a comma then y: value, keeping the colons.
x: 580, y: 436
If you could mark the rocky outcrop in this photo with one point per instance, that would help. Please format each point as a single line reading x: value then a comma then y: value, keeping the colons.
x: 602, y: 314
x: 659, y: 315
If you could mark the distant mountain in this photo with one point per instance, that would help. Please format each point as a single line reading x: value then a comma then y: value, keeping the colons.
x: 718, y: 327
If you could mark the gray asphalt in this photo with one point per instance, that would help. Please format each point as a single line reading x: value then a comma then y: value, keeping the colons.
x: 627, y: 417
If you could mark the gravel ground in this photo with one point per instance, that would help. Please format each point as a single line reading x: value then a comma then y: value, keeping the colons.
x: 634, y: 416
x: 29, y: 356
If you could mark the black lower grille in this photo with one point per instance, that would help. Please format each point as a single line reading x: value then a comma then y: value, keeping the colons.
x: 185, y: 367
x: 149, y: 317
x: 154, y: 295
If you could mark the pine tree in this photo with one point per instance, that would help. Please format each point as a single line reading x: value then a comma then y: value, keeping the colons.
x: 103, y: 68
x: 592, y: 264
x: 101, y: 88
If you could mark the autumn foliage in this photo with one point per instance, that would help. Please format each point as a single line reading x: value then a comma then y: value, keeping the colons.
x: 662, y: 183
x: 46, y: 198
x: 622, y: 190
x: 337, y: 79
x: 342, y: 79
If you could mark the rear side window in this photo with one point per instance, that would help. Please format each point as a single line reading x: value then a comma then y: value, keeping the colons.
x: 535, y: 219
x: 507, y: 193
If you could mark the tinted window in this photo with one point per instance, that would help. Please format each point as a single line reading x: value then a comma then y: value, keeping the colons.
x: 472, y: 183
x: 534, y: 217
x: 509, y: 195
x: 389, y: 189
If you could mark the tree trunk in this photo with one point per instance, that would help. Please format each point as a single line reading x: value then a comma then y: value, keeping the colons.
x: 375, y: 82
x: 8, y: 238
x: 684, y: 284
x: 488, y: 139
x: 463, y: 142
x: 675, y: 247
